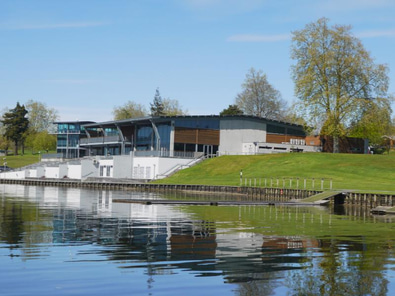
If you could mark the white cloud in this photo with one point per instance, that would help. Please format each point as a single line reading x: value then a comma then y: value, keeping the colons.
x: 258, y: 38
x: 46, y: 26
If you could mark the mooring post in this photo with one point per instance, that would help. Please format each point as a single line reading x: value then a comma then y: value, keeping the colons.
x: 312, y: 183
x: 322, y: 184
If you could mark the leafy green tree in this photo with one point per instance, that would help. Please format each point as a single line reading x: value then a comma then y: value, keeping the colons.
x: 172, y: 108
x: 157, y: 107
x: 16, y: 124
x: 41, y: 118
x: 259, y: 97
x: 231, y: 110
x: 44, y: 141
x: 374, y: 122
x: 334, y: 76
x: 129, y: 110
x: 4, y: 144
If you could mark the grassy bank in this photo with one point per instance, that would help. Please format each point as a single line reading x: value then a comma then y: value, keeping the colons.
x: 347, y: 171
x: 17, y: 161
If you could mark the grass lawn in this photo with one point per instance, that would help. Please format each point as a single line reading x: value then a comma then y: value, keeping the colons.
x: 347, y: 171
x: 17, y: 161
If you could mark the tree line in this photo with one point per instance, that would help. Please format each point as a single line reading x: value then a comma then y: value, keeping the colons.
x: 28, y: 126
x: 340, y: 91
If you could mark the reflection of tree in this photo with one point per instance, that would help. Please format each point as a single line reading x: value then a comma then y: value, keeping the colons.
x: 343, y: 269
x: 23, y: 225
x: 11, y: 223
x: 258, y: 287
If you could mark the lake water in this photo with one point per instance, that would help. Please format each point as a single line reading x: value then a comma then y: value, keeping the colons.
x: 62, y: 241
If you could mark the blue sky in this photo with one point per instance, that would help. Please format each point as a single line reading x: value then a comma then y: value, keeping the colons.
x: 85, y: 57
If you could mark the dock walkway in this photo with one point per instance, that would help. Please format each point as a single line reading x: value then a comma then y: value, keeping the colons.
x: 210, y: 203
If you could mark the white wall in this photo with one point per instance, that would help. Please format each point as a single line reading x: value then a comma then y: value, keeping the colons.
x: 123, y: 166
x: 145, y: 167
x: 74, y: 171
x: 31, y: 173
x: 52, y: 172
x: 63, y: 170
x: 13, y: 175
x: 89, y: 168
x: 234, y: 133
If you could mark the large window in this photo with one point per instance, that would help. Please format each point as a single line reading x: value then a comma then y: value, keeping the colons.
x: 144, y: 137
x: 62, y: 141
x: 164, y: 133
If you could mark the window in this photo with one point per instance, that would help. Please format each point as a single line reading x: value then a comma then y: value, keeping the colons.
x: 109, y: 167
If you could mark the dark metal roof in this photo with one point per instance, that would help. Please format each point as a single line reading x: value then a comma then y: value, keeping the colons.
x: 148, y: 119
x: 74, y: 122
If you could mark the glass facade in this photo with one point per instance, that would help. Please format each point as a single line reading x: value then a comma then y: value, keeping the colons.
x: 68, y: 138
x: 146, y: 137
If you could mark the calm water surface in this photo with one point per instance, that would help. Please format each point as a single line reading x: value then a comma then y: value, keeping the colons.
x: 59, y: 241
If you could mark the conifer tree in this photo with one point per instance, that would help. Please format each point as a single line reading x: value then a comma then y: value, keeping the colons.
x: 16, y: 124
x: 157, y: 106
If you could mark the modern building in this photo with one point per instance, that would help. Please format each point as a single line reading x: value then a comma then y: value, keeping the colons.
x: 155, y: 147
x: 179, y: 135
x: 69, y: 134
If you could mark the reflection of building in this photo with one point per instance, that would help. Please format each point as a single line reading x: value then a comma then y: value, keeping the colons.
x: 281, y: 243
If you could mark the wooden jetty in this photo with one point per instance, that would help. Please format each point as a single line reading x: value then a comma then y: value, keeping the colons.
x: 382, y: 210
x: 210, y: 203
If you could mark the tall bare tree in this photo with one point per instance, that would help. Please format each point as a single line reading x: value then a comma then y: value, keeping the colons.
x: 259, y: 97
x: 334, y: 76
x: 41, y: 117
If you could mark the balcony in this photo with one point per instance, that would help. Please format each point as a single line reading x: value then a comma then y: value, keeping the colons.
x: 100, y: 140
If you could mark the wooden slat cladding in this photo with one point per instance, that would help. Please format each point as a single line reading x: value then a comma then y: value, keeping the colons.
x: 276, y: 138
x: 196, y: 136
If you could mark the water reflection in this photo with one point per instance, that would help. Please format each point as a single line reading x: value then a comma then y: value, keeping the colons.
x: 252, y: 250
